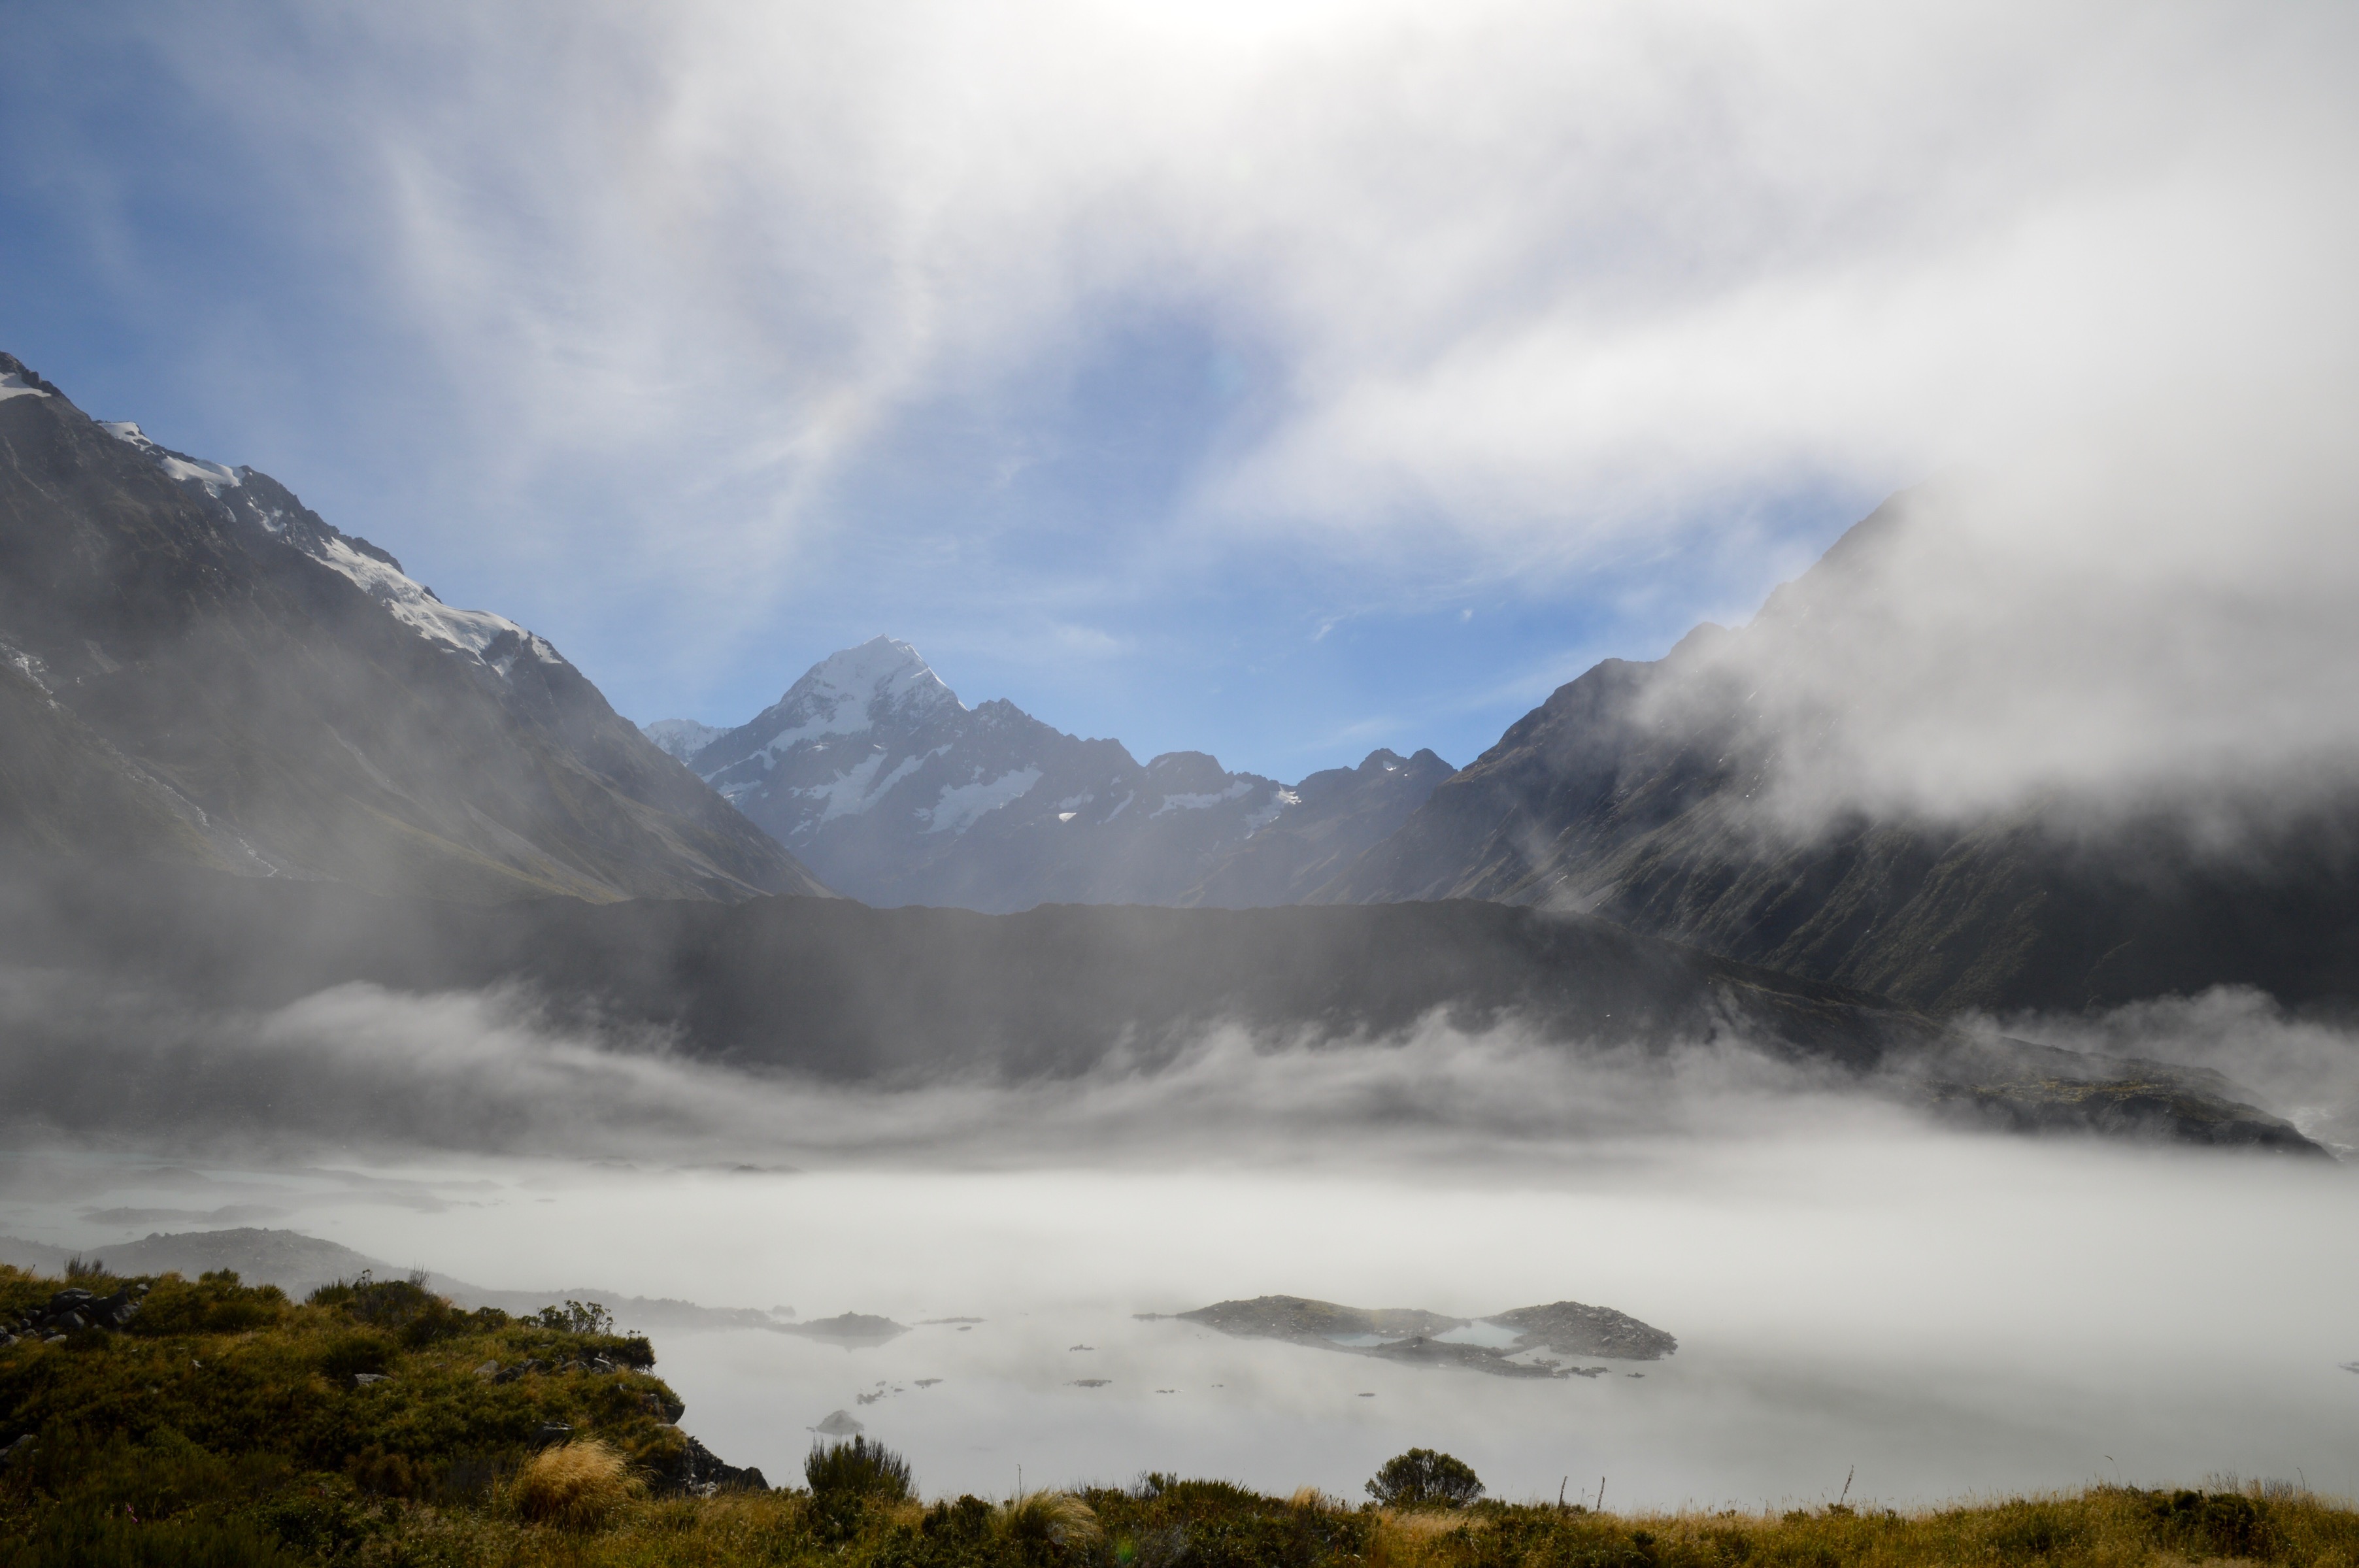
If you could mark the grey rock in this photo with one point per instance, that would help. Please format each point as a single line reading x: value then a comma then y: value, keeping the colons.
x: 701, y: 1473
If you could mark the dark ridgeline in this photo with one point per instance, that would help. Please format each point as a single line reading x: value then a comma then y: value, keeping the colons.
x: 1626, y: 793
x: 894, y: 997
x: 195, y: 670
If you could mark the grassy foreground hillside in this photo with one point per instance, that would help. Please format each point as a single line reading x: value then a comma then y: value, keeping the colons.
x: 207, y: 1423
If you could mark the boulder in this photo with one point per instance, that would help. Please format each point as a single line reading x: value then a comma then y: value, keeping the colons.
x: 701, y: 1473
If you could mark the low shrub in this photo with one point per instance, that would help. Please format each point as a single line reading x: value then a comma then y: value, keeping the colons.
x: 1422, y: 1479
x: 857, y: 1469
x: 360, y: 1350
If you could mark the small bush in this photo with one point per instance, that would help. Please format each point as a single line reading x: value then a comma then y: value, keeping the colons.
x: 359, y: 1351
x: 577, y: 1486
x: 857, y: 1469
x: 578, y: 1317
x: 1422, y: 1479
x: 2214, y: 1524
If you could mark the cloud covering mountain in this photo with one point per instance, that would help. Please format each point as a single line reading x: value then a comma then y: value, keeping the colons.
x: 1814, y: 793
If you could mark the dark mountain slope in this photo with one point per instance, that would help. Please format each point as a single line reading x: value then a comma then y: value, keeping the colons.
x: 316, y: 711
x: 903, y: 996
x: 61, y: 788
x: 1331, y: 820
x: 1630, y: 792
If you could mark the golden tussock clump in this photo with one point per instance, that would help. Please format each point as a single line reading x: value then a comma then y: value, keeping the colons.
x: 1057, y: 1517
x: 579, y: 1485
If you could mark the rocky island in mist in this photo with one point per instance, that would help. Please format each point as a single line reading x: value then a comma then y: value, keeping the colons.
x: 1413, y: 1336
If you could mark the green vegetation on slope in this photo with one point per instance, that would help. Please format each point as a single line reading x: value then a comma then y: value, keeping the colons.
x: 223, y: 1424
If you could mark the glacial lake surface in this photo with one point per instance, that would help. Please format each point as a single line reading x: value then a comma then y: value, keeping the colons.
x: 1933, y: 1315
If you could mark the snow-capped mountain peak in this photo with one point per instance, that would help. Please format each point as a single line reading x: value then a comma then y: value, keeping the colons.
x: 883, y: 688
x: 881, y: 675
x: 681, y: 738
x: 871, y: 769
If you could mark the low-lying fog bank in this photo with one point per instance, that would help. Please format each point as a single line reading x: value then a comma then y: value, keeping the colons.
x: 1949, y: 1313
x: 361, y: 1068
x: 1851, y: 1282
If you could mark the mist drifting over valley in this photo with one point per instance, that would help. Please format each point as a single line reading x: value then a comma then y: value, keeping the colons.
x: 1686, y: 667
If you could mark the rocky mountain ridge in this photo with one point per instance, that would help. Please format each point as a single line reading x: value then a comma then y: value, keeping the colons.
x: 872, y: 770
x: 197, y: 668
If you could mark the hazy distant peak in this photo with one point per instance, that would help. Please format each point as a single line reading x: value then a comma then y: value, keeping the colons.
x: 871, y: 767
x: 681, y: 738
x: 883, y: 669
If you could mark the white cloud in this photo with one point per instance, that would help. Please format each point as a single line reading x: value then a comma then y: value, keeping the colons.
x: 1534, y: 282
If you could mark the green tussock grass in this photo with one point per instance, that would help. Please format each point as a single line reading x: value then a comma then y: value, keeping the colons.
x: 224, y: 1426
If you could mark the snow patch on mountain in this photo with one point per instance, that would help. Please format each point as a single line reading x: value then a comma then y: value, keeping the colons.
x: 1279, y: 801
x: 1204, y: 800
x: 15, y: 386
x: 414, y: 604
x: 375, y: 573
x: 215, y: 477
x: 961, y: 804
x: 849, y: 794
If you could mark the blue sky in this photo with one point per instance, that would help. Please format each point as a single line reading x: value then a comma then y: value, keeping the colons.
x: 1278, y: 381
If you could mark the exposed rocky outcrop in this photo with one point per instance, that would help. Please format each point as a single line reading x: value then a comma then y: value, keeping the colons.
x: 74, y: 1308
